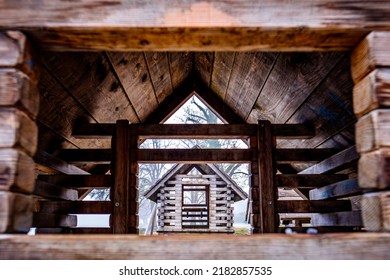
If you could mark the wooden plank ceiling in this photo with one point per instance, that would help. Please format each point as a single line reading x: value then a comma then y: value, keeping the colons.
x: 100, y: 87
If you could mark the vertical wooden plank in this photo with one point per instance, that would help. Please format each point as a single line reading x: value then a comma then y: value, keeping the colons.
x: 180, y: 65
x: 203, y: 65
x: 254, y: 189
x: 267, y: 189
x: 121, y: 171
x: 223, y: 67
x: 133, y: 182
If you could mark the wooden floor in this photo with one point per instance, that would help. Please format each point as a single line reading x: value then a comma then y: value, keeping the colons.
x: 267, y: 246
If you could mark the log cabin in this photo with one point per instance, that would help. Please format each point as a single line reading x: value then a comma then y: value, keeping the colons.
x: 306, y: 83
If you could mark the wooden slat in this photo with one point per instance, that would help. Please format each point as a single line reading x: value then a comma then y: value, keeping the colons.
x: 17, y: 171
x: 315, y: 206
x: 341, y: 189
x: 372, y: 92
x: 371, y: 53
x: 45, y: 159
x: 73, y: 207
x: 133, y: 74
x: 86, y: 155
x: 268, y: 195
x: 15, y: 212
x: 48, y: 190
x: 180, y: 65
x: 78, y: 181
x: 296, y: 131
x: 344, y: 219
x: 325, y: 229
x: 373, y: 131
x: 374, y: 170
x: 335, y: 163
x: 307, y: 180
x: 302, y: 155
x: 91, y: 230
x: 376, y: 211
x: 18, y: 131
x: 17, y: 90
x: 222, y: 69
x: 193, y: 155
x: 203, y: 66
x: 343, y: 246
x: 54, y: 221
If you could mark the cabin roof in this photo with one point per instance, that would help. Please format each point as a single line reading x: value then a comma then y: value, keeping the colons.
x: 239, y: 193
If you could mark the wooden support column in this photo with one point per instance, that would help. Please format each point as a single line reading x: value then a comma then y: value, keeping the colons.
x: 19, y: 101
x: 371, y: 98
x: 265, y: 219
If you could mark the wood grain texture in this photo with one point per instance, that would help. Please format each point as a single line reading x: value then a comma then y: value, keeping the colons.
x: 374, y: 170
x: 371, y: 53
x: 341, y: 189
x: 55, y: 164
x: 17, y: 131
x: 341, y: 246
x: 94, y: 67
x: 16, y: 52
x: 222, y: 69
x: 15, y: 212
x: 158, y: 65
x: 198, y: 25
x: 17, y: 90
x: 249, y: 73
x: 373, y: 131
x: 203, y: 66
x: 134, y: 76
x: 181, y: 66
x: 372, y: 92
x: 17, y: 172
x: 346, y: 218
x: 47, y: 190
x: 376, y: 211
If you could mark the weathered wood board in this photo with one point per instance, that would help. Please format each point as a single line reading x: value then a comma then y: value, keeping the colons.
x: 15, y: 212
x: 376, y: 211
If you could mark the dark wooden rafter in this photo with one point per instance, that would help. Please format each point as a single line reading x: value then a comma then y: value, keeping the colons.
x: 78, y: 181
x: 73, y: 207
x: 307, y: 206
x: 340, y: 189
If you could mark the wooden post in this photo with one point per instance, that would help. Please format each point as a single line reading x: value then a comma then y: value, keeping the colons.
x: 133, y: 183
x: 265, y: 219
x: 370, y: 71
x: 19, y: 101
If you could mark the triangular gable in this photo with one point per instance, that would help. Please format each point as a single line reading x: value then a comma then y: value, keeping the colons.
x: 208, y: 168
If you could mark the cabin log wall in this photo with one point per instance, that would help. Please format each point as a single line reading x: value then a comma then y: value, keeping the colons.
x: 19, y: 103
x: 370, y: 71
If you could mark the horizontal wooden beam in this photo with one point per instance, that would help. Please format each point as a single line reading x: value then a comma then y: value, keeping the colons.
x: 345, y: 219
x: 302, y: 155
x: 77, y: 181
x: 53, y: 220
x: 337, y: 162
x: 194, y: 131
x: 55, y: 165
x: 47, y: 190
x: 73, y: 207
x: 322, y: 229
x: 341, y: 189
x: 86, y: 155
x: 101, y: 230
x: 260, y: 247
x: 316, y: 206
x: 307, y: 180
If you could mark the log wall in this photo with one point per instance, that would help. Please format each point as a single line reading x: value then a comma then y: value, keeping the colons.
x: 370, y: 72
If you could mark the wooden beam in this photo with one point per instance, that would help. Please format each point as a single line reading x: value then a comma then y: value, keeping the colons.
x: 198, y: 26
x: 121, y: 172
x: 93, y: 130
x: 18, y: 131
x: 375, y: 211
x: 47, y: 190
x: 54, y: 220
x: 373, y: 131
x: 17, y: 90
x: 73, y: 207
x: 374, y: 170
x: 86, y: 155
x: 302, y: 155
x: 15, y: 212
x: 339, y: 161
x: 307, y: 180
x: 17, y: 171
x: 196, y: 247
x: 78, y: 181
x: 105, y: 230
x: 315, y: 206
x: 341, y: 189
x: 57, y: 165
x: 344, y: 219
x: 372, y: 92
x: 268, y: 193
x: 371, y: 53
x: 194, y: 155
